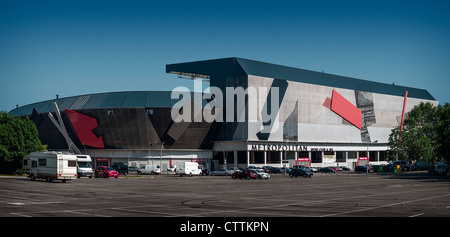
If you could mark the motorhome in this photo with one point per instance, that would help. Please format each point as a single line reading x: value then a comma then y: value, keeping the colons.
x: 26, y: 164
x: 53, y: 166
x: 84, y: 166
x: 189, y: 168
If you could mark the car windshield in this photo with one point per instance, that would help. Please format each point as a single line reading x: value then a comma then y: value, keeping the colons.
x: 84, y: 164
x: 109, y: 168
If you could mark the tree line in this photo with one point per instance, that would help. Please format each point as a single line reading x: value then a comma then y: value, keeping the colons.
x: 425, y: 135
x: 18, y: 137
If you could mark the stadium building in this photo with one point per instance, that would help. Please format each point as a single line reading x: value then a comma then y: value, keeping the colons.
x: 264, y: 114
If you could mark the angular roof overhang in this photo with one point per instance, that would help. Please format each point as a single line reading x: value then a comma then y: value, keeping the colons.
x: 218, y: 70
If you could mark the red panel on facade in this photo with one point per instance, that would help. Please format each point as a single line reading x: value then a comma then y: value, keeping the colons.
x: 83, y: 126
x: 345, y: 109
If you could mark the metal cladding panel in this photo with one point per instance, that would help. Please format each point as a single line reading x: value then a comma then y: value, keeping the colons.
x: 345, y: 109
x: 95, y: 101
x: 135, y: 99
x: 114, y: 100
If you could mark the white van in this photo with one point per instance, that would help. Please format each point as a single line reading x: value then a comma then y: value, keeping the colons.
x: 189, y: 168
x: 150, y: 169
x: 53, y: 166
x: 172, y: 168
x: 84, y: 166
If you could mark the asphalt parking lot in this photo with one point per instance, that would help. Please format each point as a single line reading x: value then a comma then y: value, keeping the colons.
x: 325, y: 195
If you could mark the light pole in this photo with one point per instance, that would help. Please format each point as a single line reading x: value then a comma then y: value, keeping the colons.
x: 160, y: 156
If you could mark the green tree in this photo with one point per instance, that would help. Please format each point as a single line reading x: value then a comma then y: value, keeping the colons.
x: 419, y: 139
x: 18, y: 137
x: 443, y: 131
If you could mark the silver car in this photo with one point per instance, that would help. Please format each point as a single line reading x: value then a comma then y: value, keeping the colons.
x: 221, y: 172
x: 262, y: 174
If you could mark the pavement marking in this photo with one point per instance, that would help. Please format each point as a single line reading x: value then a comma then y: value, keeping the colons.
x: 417, y: 215
x: 18, y: 214
x: 387, y: 205
x: 87, y: 214
x: 242, y: 209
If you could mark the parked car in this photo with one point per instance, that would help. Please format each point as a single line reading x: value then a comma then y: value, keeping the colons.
x: 267, y: 168
x: 134, y: 170
x: 246, y: 173
x: 106, y: 172
x: 262, y: 174
x: 275, y: 170
x: 150, y: 169
x: 172, y: 168
x: 327, y: 170
x: 221, y: 172
x: 335, y: 168
x: 120, y: 168
x: 205, y: 172
x: 363, y: 169
x: 300, y: 172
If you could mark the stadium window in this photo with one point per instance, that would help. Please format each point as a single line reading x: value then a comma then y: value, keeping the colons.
x: 149, y: 111
x: 110, y: 112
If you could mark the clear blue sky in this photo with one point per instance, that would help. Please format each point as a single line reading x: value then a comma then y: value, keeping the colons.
x: 80, y: 47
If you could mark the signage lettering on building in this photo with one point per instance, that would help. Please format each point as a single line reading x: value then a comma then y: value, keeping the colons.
x: 279, y: 147
x: 321, y: 149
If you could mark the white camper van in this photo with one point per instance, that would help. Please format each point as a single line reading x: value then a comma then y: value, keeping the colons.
x: 189, y: 168
x: 53, y: 166
x: 150, y: 169
x: 84, y: 166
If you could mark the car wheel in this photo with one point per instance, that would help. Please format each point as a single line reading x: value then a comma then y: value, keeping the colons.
x: 291, y: 175
x: 106, y: 175
x: 32, y: 177
x: 259, y: 177
x: 233, y: 177
x: 248, y: 177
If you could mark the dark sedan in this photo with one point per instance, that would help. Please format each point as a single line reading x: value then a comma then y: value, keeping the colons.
x: 327, y: 170
x: 300, y: 172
